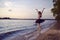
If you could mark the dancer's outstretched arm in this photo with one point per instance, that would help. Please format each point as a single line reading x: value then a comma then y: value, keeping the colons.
x: 43, y: 10
x: 36, y: 10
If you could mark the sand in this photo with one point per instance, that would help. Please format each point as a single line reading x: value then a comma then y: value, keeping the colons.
x: 52, y: 34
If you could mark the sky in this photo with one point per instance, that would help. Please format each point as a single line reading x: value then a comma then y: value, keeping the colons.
x: 25, y: 8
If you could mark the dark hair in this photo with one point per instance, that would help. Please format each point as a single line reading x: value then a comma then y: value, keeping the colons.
x: 39, y: 12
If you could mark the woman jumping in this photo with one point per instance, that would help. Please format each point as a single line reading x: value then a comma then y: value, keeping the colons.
x: 39, y: 20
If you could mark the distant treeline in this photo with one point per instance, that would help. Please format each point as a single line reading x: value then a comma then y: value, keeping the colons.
x: 5, y: 18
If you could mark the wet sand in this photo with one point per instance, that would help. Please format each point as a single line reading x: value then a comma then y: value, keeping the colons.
x: 52, y: 34
x: 29, y: 36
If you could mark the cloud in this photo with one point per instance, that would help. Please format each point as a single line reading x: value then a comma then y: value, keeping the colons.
x: 6, y: 3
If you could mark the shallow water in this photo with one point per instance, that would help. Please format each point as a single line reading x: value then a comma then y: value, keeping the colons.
x: 21, y: 26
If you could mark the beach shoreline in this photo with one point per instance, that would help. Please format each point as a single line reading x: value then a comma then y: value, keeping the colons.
x: 52, y: 34
x: 34, y: 35
x: 29, y: 32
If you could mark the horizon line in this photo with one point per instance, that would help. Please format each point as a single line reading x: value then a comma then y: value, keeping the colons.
x: 25, y: 19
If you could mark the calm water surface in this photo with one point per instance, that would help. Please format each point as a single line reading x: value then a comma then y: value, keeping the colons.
x: 12, y: 25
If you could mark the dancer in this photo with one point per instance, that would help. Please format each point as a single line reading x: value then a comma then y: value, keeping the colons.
x: 39, y: 20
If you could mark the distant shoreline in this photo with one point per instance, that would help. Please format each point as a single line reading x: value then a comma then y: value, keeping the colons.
x: 21, y: 19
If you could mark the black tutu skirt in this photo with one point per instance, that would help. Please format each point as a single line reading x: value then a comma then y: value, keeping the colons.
x: 39, y: 20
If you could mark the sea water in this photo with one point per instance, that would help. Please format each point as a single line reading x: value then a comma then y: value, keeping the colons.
x: 12, y: 25
x: 20, y: 26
